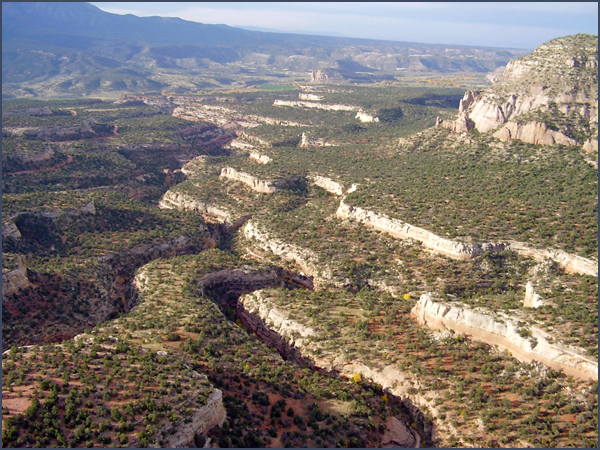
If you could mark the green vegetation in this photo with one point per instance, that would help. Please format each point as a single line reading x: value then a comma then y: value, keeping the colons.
x: 88, y: 266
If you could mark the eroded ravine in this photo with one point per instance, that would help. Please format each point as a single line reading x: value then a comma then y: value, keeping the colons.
x: 230, y: 288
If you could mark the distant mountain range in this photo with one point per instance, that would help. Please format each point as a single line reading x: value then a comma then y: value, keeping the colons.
x: 57, y: 49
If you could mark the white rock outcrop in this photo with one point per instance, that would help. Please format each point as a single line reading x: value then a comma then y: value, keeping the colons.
x: 262, y: 186
x: 365, y: 118
x: 274, y: 325
x: 533, y: 133
x: 310, y: 97
x: 403, y: 230
x: 262, y: 159
x: 16, y: 279
x: 460, y: 250
x: 304, y: 258
x: 328, y: 184
x: 524, y: 342
x: 305, y: 104
x: 178, y: 200
x: 560, y: 75
x: 241, y: 145
x: 181, y: 434
x: 570, y: 263
x: 257, y: 305
x: 306, y: 142
x: 532, y: 299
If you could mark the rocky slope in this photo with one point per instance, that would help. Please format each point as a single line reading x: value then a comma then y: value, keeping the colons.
x: 548, y: 97
x: 526, y: 344
x: 305, y: 259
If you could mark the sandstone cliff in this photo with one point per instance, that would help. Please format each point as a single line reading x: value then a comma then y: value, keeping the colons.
x: 403, y: 230
x: 15, y: 279
x: 306, y: 142
x: 365, y: 118
x: 236, y: 282
x: 460, y: 250
x: 262, y: 186
x: 328, y: 184
x: 326, y: 76
x: 226, y: 117
x: 262, y: 159
x: 181, y: 434
x: 304, y: 258
x: 532, y: 299
x: 309, y: 97
x: 570, y: 263
x: 546, y: 97
x: 293, y: 338
x: 178, y: 200
x: 305, y: 104
x: 526, y: 344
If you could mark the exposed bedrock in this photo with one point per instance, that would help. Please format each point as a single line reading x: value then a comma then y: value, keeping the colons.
x: 262, y: 186
x: 179, y: 200
x: 403, y: 230
x: 570, y: 263
x: 533, y: 133
x: 262, y: 159
x: 229, y: 285
x: 181, y: 434
x: 15, y: 279
x: 526, y: 344
x: 293, y: 340
x: 304, y: 258
x: 305, y: 104
x: 328, y: 184
x: 459, y: 250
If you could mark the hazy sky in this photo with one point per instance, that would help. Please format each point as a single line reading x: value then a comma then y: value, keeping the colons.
x: 495, y: 24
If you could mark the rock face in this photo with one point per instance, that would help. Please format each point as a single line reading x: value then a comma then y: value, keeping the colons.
x: 241, y: 145
x: 16, y: 279
x: 533, y: 133
x: 304, y: 258
x: 326, y: 76
x: 403, y: 230
x: 558, y: 78
x: 399, y: 435
x: 365, y: 118
x: 304, y: 104
x: 181, y: 435
x: 570, y: 263
x: 178, y: 200
x: 525, y: 344
x: 292, y: 338
x: 532, y: 299
x: 271, y: 324
x: 306, y: 142
x: 10, y: 230
x: 310, y: 97
x: 226, y: 117
x: 262, y: 159
x: 238, y: 281
x: 328, y: 184
x: 460, y: 250
x: 262, y: 186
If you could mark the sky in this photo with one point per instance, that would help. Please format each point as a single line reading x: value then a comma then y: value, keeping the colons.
x: 523, y: 25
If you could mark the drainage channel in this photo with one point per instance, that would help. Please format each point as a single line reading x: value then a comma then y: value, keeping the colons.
x: 226, y: 287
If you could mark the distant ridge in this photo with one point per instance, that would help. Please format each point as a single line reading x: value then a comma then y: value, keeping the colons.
x: 78, y: 49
